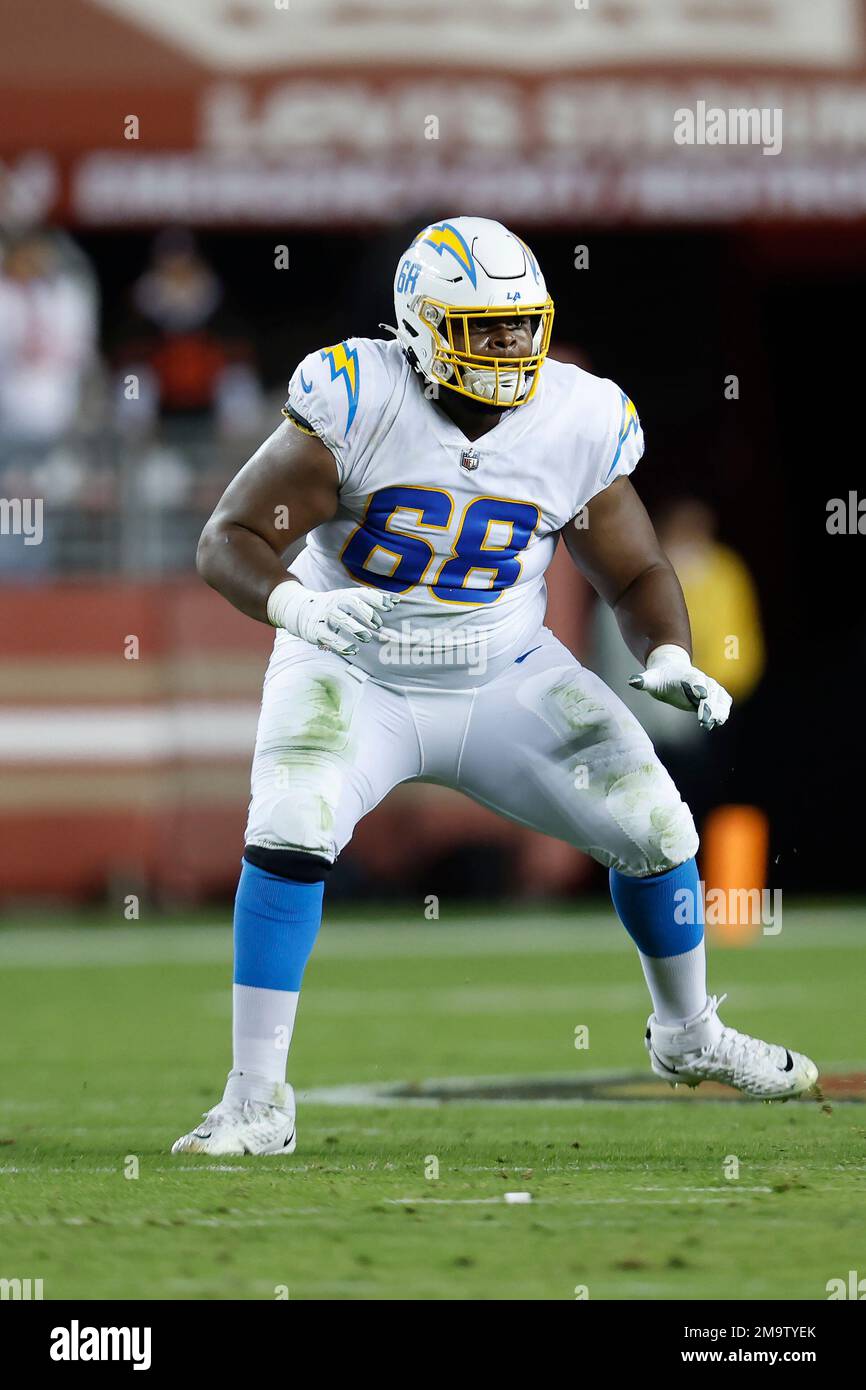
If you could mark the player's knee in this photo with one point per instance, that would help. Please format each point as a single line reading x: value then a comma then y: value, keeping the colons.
x: 678, y: 846
x: 299, y: 865
x: 658, y: 825
x: 296, y: 798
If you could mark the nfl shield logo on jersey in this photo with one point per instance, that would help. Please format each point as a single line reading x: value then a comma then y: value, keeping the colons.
x: 469, y: 459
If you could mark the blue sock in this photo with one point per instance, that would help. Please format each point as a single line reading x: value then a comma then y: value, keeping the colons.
x: 664, y: 916
x: 276, y: 925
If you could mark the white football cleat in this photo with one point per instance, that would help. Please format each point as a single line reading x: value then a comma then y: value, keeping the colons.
x: 241, y: 1127
x: 704, y: 1050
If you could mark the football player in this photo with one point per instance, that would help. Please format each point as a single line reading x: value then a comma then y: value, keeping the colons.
x: 432, y: 474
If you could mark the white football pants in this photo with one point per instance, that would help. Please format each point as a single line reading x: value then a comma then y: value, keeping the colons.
x: 546, y: 744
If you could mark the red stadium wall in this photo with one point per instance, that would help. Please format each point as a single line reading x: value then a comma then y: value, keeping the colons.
x: 127, y: 721
x: 126, y: 715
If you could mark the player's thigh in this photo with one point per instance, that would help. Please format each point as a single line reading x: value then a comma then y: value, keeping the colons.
x: 330, y: 744
x: 551, y: 746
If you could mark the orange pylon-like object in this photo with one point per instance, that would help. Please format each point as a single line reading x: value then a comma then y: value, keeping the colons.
x: 734, y: 870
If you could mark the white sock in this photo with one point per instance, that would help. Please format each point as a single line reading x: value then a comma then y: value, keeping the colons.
x: 262, y: 1027
x: 677, y: 984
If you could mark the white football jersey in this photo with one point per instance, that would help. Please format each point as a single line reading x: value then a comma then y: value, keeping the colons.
x: 463, y: 531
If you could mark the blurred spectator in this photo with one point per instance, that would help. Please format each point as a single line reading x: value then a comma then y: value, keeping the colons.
x: 48, y: 340
x: 179, y: 293
x: 48, y: 334
x: 727, y: 643
x: 727, y: 638
x: 178, y: 344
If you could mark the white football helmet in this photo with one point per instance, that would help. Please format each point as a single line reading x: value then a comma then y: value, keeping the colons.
x: 461, y: 271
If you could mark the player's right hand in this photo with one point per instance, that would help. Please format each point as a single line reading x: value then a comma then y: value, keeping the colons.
x: 339, y: 619
x: 336, y: 620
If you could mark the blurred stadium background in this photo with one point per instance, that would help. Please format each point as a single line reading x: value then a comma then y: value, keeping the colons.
x: 160, y: 164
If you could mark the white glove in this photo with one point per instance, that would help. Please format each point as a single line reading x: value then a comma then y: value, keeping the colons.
x: 671, y: 677
x: 336, y: 620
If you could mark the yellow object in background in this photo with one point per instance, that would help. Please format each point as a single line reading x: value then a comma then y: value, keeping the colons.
x: 723, y: 608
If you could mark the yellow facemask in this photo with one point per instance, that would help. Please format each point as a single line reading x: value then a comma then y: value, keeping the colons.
x: 494, y: 381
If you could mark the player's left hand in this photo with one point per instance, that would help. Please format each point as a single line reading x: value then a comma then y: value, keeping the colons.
x: 671, y: 678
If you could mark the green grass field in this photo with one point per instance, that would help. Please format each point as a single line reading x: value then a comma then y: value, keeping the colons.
x: 116, y: 1038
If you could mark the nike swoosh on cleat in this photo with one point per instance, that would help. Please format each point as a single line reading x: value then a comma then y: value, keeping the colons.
x: 288, y: 1141
x: 199, y: 1135
x: 789, y: 1065
x: 666, y: 1065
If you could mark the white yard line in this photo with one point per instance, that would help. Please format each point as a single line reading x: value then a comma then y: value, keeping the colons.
x: 734, y: 1188
x: 179, y: 1169
x: 550, y: 1201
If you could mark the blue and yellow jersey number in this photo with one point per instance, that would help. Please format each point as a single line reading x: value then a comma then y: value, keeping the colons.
x: 472, y: 541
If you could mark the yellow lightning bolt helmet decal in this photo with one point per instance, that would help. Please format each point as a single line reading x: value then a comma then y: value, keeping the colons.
x: 445, y: 237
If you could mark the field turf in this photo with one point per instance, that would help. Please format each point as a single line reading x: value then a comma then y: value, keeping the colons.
x: 116, y: 1038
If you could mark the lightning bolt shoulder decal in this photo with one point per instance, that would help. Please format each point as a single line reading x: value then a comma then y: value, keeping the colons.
x: 343, y: 362
x: 628, y: 425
